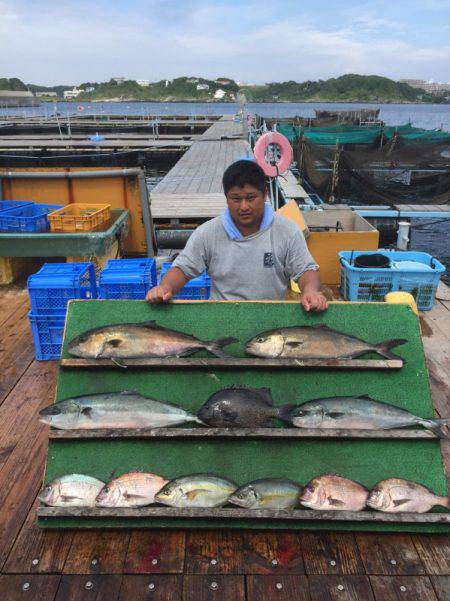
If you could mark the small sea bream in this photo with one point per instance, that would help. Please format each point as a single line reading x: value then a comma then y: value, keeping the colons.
x: 359, y: 413
x: 335, y: 493
x: 141, y: 340
x: 71, y: 490
x: 268, y: 493
x: 396, y: 495
x: 134, y: 489
x: 239, y: 406
x: 114, y: 410
x: 315, y: 342
x: 196, y: 490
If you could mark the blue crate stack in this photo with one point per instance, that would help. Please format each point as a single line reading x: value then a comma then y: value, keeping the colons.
x: 26, y: 217
x: 127, y: 278
x: 50, y: 289
x: 415, y: 272
x: 196, y: 289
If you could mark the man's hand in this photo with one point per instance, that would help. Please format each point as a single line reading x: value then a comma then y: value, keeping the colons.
x: 314, y: 301
x: 159, y: 294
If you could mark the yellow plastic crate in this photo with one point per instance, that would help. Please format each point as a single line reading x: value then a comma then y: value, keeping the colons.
x: 79, y: 217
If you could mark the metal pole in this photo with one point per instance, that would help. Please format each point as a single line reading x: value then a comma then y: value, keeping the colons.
x: 70, y: 174
x: 147, y: 216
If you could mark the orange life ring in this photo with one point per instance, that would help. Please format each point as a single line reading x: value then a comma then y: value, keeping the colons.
x: 273, y: 165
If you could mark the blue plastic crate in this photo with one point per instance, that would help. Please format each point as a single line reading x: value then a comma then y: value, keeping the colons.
x: 5, y: 205
x: 47, y: 334
x: 196, y: 289
x: 56, y: 283
x: 368, y: 284
x: 127, y: 278
x: 29, y: 218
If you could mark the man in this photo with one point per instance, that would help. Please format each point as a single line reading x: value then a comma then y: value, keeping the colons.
x: 249, y: 251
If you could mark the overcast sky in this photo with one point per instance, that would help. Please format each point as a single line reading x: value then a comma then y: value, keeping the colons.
x: 52, y: 42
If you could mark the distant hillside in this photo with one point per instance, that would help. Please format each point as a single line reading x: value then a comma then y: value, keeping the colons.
x: 348, y: 88
x: 13, y: 84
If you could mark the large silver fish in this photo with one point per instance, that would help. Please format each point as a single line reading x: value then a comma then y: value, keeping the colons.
x: 331, y: 492
x: 359, y: 413
x: 239, y: 406
x: 72, y: 490
x: 196, y: 490
x: 268, y: 493
x: 396, y: 495
x: 315, y: 342
x: 140, y: 340
x: 114, y: 410
x: 134, y: 489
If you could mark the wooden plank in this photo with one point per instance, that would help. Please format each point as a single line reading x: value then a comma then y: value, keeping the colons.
x: 441, y: 585
x: 205, y: 588
x: 434, y: 551
x: 151, y: 552
x: 340, y: 588
x: 443, y: 292
x: 156, y: 588
x: 389, y: 554
x: 30, y: 588
x: 238, y: 513
x: 83, y: 588
x: 278, y: 588
x: 331, y: 553
x: 97, y: 552
x: 37, y: 550
x: 234, y: 362
x: 214, y: 552
x: 387, y: 588
x: 273, y: 553
x: 178, y: 432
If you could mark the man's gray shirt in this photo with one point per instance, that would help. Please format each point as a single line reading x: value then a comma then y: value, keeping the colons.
x: 257, y: 267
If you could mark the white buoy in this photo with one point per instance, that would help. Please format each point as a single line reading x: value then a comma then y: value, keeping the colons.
x: 403, y: 235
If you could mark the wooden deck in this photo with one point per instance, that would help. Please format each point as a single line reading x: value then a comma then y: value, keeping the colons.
x: 193, y: 187
x: 172, y: 565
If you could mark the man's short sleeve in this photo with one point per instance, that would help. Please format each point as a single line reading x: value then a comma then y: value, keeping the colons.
x: 298, y: 259
x: 193, y: 260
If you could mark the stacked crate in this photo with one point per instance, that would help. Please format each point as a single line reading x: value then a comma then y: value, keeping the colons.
x: 50, y: 290
x: 196, y: 289
x: 127, y: 278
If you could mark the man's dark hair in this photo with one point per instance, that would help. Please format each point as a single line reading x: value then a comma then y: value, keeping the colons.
x: 244, y: 172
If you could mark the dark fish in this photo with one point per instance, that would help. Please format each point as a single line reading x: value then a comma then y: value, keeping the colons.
x: 360, y: 413
x: 268, y: 493
x: 396, y: 495
x: 315, y: 342
x: 239, y: 406
x: 140, y: 340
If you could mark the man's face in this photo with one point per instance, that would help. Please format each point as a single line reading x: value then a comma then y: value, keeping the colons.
x: 246, y: 205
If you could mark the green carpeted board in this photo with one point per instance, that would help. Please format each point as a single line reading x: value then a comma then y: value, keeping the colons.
x: 366, y: 461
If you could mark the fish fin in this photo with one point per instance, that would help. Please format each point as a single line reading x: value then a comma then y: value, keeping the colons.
x: 192, y: 495
x: 128, y: 495
x: 444, y: 502
x: 398, y: 502
x: 125, y: 392
x: 293, y: 343
x: 119, y: 363
x: 114, y: 342
x: 268, y: 423
x: 266, y: 393
x: 334, y: 414
x: 335, y: 502
x: 68, y: 498
x: 86, y: 411
x: 229, y: 416
x: 384, y: 348
x: 215, y: 347
x: 151, y: 323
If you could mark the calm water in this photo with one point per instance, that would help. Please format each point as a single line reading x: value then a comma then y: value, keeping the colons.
x: 429, y: 116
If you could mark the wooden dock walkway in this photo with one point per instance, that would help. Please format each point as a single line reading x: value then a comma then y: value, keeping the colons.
x: 193, y: 187
x: 188, y: 565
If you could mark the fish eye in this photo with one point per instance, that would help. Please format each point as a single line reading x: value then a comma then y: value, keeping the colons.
x: 260, y: 339
x: 106, y: 489
x: 301, y: 413
x: 165, y: 493
x: 310, y: 488
x: 241, y: 495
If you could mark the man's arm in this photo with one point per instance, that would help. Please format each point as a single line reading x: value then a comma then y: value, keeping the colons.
x: 172, y: 282
x: 312, y: 298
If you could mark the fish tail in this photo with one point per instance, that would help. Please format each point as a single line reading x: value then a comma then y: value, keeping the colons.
x: 197, y: 420
x: 215, y: 347
x: 443, y: 501
x: 384, y: 348
x: 438, y: 426
x: 285, y: 412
